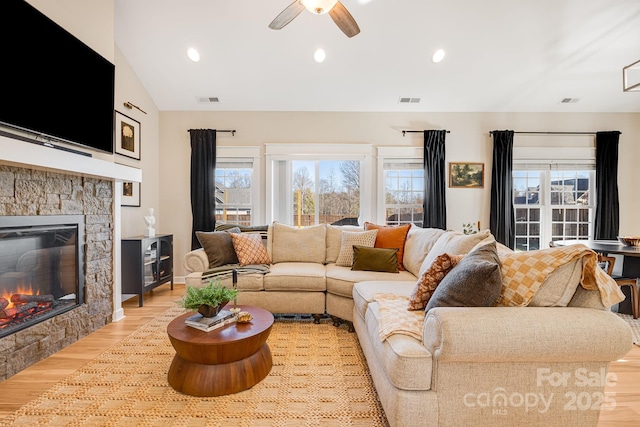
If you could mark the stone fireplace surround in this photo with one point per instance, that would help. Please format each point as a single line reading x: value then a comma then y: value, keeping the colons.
x: 36, y: 180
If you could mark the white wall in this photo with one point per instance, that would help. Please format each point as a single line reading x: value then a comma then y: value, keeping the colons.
x: 469, y: 141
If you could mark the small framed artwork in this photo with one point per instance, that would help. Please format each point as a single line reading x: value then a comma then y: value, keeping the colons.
x: 466, y: 175
x: 130, y: 194
x: 127, y: 136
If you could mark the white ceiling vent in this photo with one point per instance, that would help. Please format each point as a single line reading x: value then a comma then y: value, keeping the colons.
x: 409, y: 100
x: 208, y: 99
x: 569, y: 100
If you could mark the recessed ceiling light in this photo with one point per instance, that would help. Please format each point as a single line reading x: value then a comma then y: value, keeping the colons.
x: 319, y: 55
x: 193, y: 54
x: 438, y: 56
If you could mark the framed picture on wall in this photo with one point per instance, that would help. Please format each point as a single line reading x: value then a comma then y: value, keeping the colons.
x: 466, y: 175
x: 127, y: 136
x: 130, y: 194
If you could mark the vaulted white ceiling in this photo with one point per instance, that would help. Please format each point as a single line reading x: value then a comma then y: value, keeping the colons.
x: 502, y: 55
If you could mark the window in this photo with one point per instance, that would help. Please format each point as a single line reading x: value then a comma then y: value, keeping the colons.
x: 325, y: 192
x: 311, y: 184
x: 552, y: 205
x: 553, y: 190
x: 400, y: 185
x: 237, y: 196
x: 403, y: 193
x: 233, y: 192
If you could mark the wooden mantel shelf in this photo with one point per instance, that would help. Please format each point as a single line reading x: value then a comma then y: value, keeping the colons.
x: 24, y: 154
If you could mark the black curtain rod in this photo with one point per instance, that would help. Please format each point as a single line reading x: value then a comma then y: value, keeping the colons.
x: 417, y: 131
x: 554, y: 133
x: 232, y: 132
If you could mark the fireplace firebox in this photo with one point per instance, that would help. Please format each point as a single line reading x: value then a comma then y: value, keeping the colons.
x: 41, y: 268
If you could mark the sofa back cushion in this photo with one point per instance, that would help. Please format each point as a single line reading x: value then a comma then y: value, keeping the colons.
x: 293, y: 244
x: 419, y: 242
x: 454, y: 243
x: 334, y: 240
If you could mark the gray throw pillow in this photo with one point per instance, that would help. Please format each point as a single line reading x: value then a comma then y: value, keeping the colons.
x: 475, y: 282
x: 218, y: 246
x: 375, y: 259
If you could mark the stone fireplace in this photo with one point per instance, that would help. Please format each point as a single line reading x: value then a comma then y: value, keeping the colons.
x: 46, y: 195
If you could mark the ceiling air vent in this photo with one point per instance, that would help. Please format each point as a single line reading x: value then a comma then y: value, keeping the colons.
x: 569, y: 100
x: 208, y: 99
x: 409, y: 100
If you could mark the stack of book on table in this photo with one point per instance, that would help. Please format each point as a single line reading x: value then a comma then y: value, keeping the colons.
x: 210, y: 323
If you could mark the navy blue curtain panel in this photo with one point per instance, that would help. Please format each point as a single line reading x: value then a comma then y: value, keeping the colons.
x: 502, y: 217
x: 434, y: 205
x: 203, y: 182
x: 607, y: 221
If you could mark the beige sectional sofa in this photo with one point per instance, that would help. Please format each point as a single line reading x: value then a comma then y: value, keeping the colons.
x: 543, y: 364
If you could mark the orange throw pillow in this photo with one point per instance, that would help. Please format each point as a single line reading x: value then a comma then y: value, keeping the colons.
x: 390, y: 237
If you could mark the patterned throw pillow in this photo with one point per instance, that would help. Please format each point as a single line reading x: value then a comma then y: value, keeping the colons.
x: 351, y: 238
x: 250, y: 249
x: 390, y: 236
x: 430, y: 280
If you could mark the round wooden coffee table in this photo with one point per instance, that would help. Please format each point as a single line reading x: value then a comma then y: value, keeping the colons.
x: 226, y: 360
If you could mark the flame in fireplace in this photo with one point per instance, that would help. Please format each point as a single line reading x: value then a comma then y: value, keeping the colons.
x: 21, y: 289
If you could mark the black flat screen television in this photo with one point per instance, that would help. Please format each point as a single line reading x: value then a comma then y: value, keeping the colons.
x: 52, y: 84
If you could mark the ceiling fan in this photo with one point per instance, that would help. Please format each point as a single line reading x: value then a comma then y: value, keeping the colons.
x: 336, y: 10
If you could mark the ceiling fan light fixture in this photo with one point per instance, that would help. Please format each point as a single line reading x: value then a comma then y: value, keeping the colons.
x: 319, y: 7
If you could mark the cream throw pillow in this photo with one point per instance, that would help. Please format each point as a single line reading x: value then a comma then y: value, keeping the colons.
x: 293, y: 244
x: 351, y: 238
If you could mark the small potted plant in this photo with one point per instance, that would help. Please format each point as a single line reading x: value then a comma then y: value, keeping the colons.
x: 207, y: 300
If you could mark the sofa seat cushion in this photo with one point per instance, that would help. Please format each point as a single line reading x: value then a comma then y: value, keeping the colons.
x: 363, y: 292
x: 295, y: 276
x: 406, y: 362
x: 340, y: 279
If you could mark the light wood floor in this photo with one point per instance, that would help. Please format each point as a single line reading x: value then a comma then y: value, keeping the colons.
x: 33, y: 381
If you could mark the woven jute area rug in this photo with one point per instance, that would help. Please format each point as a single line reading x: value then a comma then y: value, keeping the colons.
x: 319, y: 378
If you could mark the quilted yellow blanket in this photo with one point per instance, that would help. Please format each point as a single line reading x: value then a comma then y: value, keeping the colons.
x: 524, y: 272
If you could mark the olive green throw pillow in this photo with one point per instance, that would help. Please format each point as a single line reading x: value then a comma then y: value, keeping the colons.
x: 475, y: 282
x: 375, y: 259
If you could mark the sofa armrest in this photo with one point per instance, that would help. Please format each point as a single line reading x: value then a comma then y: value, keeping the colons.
x: 196, y: 260
x: 525, y: 334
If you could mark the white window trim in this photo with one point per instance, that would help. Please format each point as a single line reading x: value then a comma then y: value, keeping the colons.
x: 279, y: 152
x: 242, y: 154
x: 408, y: 154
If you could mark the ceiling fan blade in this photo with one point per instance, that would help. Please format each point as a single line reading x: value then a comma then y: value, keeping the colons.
x: 344, y: 20
x: 287, y: 15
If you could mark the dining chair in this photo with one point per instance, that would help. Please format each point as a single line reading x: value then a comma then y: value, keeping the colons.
x: 607, y: 263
